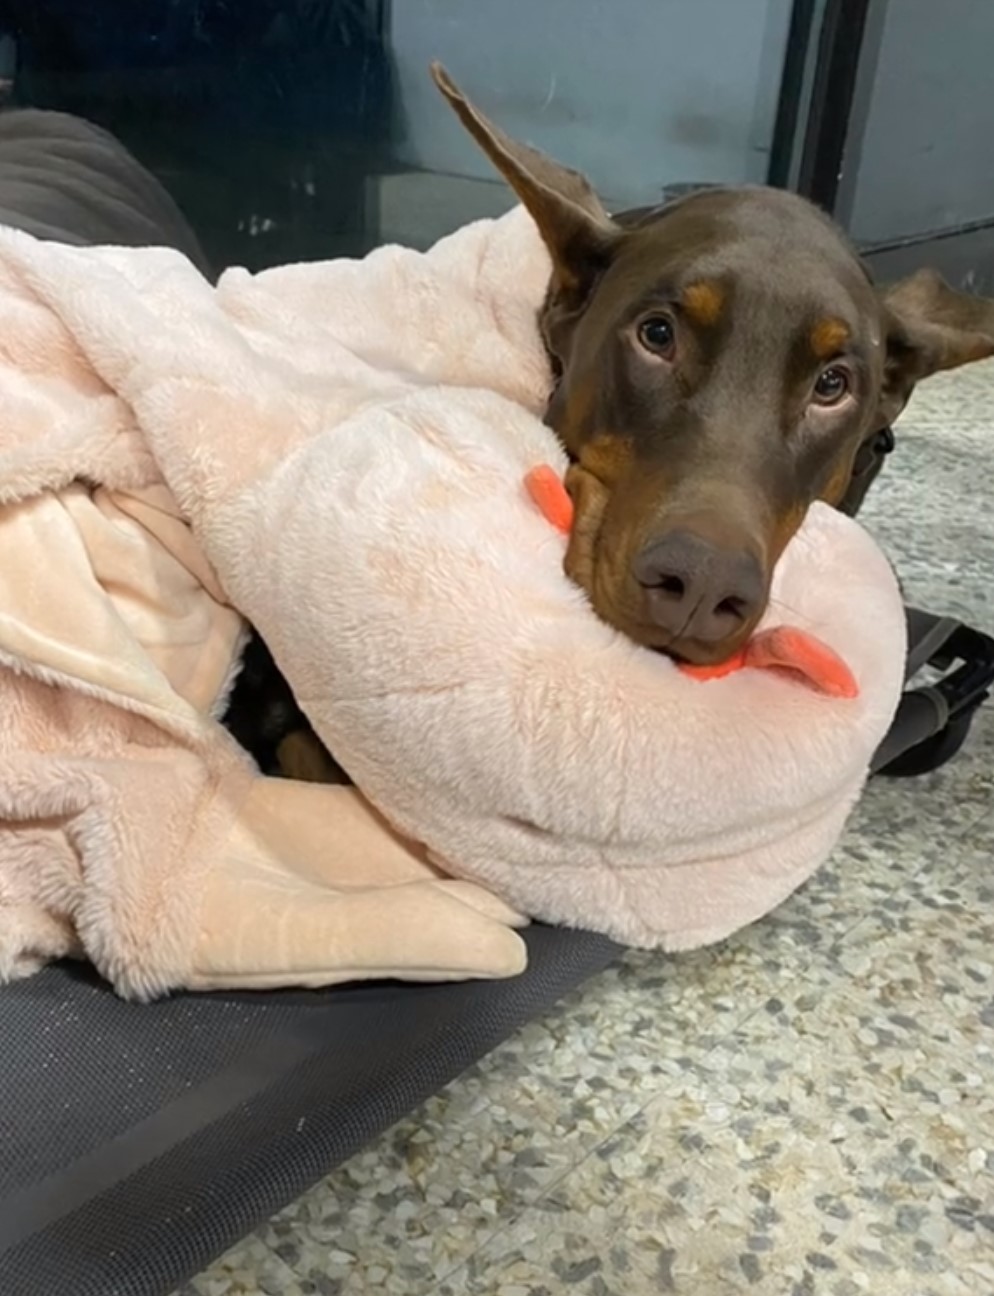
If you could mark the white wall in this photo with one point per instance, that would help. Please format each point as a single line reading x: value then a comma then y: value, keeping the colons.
x: 637, y: 93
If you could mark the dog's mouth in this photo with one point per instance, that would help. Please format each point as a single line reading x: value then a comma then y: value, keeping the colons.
x: 697, y: 654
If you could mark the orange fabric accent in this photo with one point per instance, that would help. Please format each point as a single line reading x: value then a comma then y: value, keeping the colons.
x: 550, y: 497
x: 788, y: 649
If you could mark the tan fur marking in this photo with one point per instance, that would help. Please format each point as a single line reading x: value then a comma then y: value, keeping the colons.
x: 606, y: 457
x: 828, y: 337
x: 837, y: 484
x: 786, y: 527
x: 590, y: 497
x: 703, y: 302
x: 301, y: 756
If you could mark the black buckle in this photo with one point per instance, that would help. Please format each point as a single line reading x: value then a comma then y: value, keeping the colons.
x: 969, y: 685
x: 933, y: 720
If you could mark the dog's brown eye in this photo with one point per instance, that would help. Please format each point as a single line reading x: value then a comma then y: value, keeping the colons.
x: 832, y: 385
x: 657, y: 335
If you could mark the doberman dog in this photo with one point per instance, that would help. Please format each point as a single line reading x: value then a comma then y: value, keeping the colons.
x: 719, y: 363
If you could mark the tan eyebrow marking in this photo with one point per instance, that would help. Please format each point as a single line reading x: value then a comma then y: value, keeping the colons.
x: 703, y: 302
x: 828, y: 337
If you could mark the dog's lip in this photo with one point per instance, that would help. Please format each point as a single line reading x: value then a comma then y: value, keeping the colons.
x: 701, y: 654
x: 682, y: 651
x: 682, y: 659
x: 689, y: 652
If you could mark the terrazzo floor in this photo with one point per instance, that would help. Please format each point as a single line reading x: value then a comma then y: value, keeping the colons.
x: 806, y: 1110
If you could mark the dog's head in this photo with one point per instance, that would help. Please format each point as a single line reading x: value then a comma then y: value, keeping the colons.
x: 720, y: 363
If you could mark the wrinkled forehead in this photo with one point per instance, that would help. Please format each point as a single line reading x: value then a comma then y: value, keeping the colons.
x: 718, y: 255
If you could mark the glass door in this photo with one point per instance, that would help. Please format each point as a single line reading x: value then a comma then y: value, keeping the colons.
x: 292, y: 129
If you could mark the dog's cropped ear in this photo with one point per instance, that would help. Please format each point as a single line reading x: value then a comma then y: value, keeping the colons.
x: 930, y: 327
x: 575, y: 227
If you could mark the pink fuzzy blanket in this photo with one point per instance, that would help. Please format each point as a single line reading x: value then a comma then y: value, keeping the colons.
x: 336, y: 452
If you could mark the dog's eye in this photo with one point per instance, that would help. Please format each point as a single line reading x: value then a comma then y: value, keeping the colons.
x: 832, y: 385
x: 657, y: 335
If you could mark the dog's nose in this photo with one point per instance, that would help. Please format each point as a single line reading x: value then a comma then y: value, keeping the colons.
x: 696, y: 590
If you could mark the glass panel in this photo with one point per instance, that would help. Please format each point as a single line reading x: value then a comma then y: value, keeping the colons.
x: 924, y: 158
x: 311, y: 129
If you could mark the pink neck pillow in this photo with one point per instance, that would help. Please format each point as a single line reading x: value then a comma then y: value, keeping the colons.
x: 378, y: 532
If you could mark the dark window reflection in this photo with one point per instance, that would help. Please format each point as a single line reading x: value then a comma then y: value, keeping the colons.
x: 296, y: 129
x: 262, y: 117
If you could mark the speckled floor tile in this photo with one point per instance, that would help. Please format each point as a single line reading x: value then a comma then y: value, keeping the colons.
x: 250, y: 1269
x: 965, y: 886
x: 840, y: 1141
x: 426, y: 1196
x: 954, y: 512
x: 942, y: 539
x: 442, y: 1184
x: 953, y: 399
x: 805, y: 1110
x: 929, y: 508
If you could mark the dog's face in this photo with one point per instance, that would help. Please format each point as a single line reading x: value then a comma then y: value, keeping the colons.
x: 720, y: 364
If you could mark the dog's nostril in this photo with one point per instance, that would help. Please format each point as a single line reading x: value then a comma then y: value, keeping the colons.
x: 735, y: 609
x: 672, y: 585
